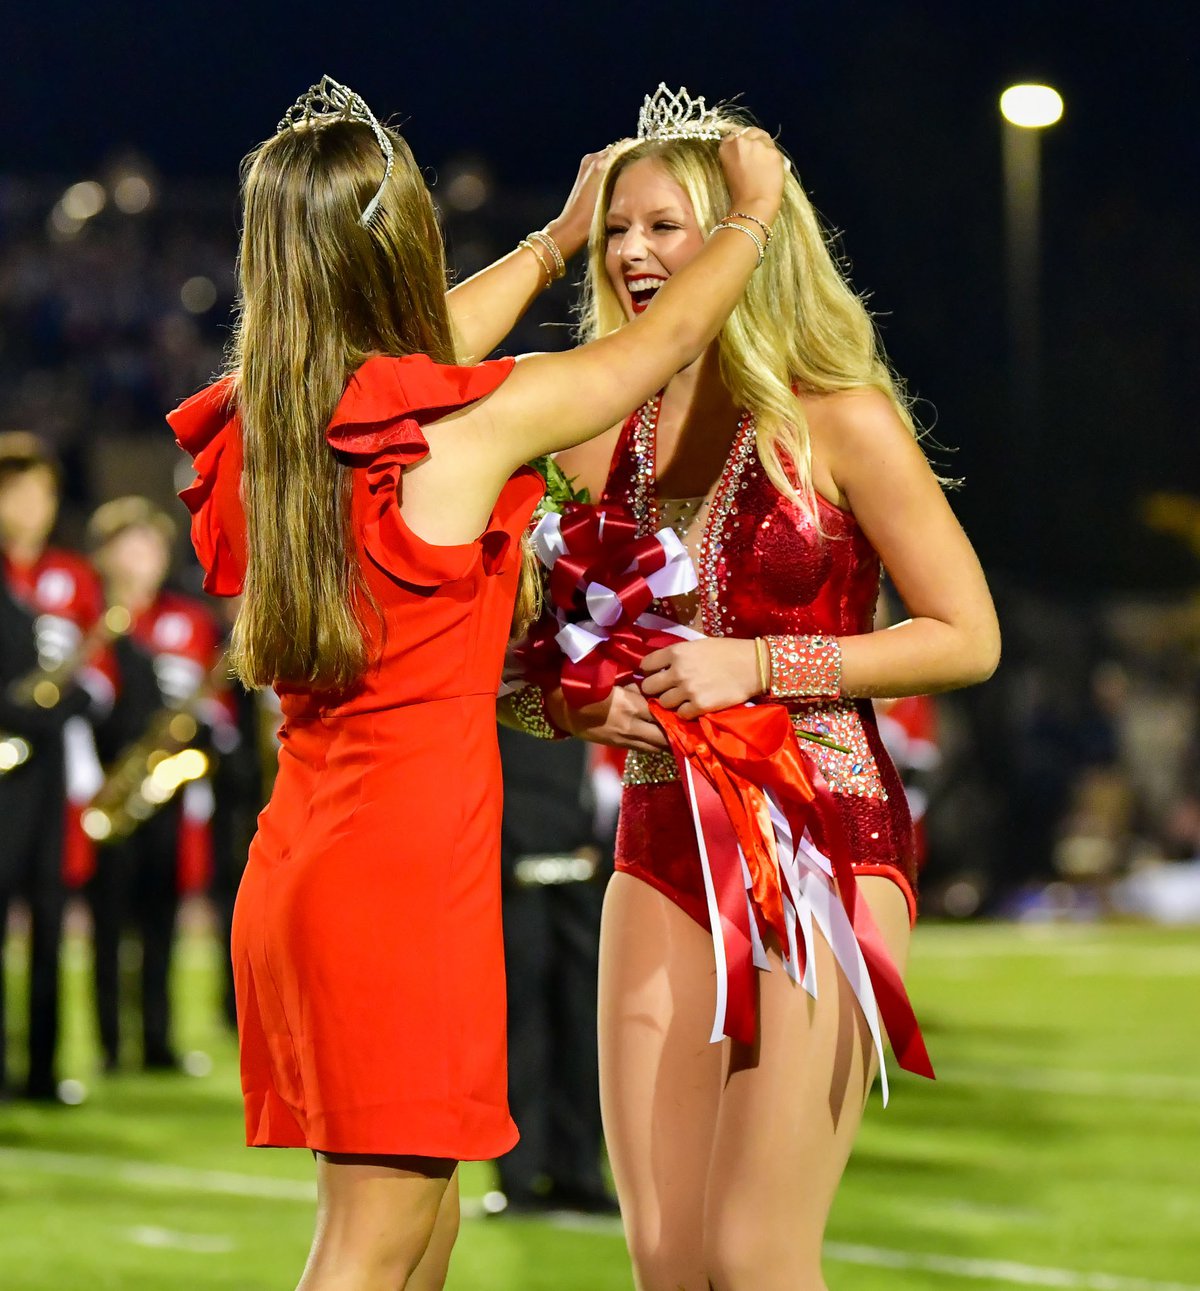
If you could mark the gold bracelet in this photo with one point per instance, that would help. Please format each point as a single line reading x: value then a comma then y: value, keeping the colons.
x: 761, y: 659
x: 741, y: 228
x: 560, y: 265
x: 529, y: 708
x: 526, y: 245
x: 762, y: 224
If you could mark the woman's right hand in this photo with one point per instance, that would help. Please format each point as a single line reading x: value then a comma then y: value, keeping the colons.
x: 754, y: 170
x: 622, y: 719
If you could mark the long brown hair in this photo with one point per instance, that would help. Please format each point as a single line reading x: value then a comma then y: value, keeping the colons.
x: 319, y: 295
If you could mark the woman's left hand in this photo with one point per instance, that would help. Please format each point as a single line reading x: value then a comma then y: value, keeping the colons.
x: 697, y: 677
x: 570, y: 228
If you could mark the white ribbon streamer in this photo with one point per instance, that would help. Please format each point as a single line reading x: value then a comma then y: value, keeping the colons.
x: 810, y: 897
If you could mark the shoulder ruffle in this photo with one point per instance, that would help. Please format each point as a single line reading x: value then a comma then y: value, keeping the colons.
x: 207, y: 427
x: 387, y: 401
x: 380, y: 416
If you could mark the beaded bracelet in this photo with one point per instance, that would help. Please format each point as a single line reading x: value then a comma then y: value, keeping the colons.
x: 804, y: 667
x: 741, y: 228
x: 762, y: 224
x: 529, y: 708
x: 560, y: 265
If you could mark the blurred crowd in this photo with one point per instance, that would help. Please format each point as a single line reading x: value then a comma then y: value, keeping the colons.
x: 1069, y: 785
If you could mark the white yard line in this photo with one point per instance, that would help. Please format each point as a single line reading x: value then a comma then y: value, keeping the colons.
x: 227, y: 1183
x: 1134, y: 1085
x: 1029, y: 1275
x: 167, y: 1239
x: 150, y: 1175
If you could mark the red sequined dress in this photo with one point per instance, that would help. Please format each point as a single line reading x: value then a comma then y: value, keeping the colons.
x: 764, y: 570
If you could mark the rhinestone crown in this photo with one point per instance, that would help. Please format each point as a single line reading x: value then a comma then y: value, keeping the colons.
x: 328, y: 100
x: 667, y: 115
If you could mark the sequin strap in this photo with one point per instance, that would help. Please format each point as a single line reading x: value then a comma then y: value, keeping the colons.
x: 854, y: 773
x: 804, y: 667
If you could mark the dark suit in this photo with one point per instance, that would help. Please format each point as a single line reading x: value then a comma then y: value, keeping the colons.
x: 551, y: 940
x: 136, y: 878
x: 33, y: 809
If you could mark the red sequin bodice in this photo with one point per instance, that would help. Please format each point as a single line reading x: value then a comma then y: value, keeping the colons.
x: 765, y: 568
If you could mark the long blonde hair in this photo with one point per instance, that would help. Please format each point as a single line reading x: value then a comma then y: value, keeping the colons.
x: 319, y: 294
x: 799, y: 325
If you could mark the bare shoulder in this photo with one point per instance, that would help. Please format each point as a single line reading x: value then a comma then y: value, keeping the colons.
x: 860, y: 431
x: 587, y: 464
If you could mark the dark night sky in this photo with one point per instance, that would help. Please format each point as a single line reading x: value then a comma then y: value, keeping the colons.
x: 890, y: 111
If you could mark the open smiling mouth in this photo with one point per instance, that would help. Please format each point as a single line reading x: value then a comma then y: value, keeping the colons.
x: 642, y: 290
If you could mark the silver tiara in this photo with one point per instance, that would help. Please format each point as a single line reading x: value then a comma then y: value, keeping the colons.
x: 677, y: 116
x: 329, y: 99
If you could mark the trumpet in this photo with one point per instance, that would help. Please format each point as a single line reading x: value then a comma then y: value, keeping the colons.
x: 152, y: 770
x: 44, y: 686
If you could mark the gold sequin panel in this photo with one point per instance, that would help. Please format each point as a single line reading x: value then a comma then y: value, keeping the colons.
x: 854, y: 772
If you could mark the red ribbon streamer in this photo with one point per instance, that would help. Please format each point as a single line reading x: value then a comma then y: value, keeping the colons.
x: 741, y: 754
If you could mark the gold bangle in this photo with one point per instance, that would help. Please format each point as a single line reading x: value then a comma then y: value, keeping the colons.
x: 761, y: 659
x: 560, y: 265
x: 762, y: 224
x: 741, y: 228
x: 526, y: 245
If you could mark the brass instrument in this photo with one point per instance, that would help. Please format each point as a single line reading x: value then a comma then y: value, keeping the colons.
x: 152, y: 770
x: 44, y: 686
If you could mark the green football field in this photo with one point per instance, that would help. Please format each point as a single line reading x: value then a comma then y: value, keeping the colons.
x: 1060, y: 1147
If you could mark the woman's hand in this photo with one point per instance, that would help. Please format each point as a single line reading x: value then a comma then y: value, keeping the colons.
x: 570, y: 228
x: 622, y: 719
x: 697, y: 677
x: 754, y: 170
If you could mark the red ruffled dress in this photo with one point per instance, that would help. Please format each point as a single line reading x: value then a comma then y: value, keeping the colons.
x: 367, y: 941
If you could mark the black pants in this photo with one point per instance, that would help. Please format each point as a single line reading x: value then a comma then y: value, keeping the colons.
x: 32, y: 822
x: 136, y: 886
x: 551, y: 946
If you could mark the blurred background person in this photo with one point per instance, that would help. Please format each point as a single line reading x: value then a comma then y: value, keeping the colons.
x: 241, y: 784
x: 164, y: 666
x: 555, y: 861
x: 52, y: 674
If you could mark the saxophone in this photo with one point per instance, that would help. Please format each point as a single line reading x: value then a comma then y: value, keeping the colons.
x: 44, y: 686
x: 151, y: 771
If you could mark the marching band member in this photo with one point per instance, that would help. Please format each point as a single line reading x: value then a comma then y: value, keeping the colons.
x: 51, y: 605
x: 163, y: 662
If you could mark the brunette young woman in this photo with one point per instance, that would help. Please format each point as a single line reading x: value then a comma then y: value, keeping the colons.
x: 367, y: 498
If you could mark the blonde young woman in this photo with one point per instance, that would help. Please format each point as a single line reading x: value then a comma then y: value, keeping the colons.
x: 367, y: 498
x: 785, y: 457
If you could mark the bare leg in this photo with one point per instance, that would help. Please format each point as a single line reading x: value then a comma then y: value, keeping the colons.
x: 430, y: 1274
x: 376, y: 1218
x: 660, y: 1079
x: 789, y: 1114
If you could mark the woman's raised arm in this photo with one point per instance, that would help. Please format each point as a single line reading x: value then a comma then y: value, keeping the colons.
x: 489, y: 304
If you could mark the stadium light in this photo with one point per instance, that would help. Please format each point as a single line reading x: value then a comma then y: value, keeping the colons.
x: 1032, y: 107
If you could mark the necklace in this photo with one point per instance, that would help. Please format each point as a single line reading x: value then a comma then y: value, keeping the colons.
x: 711, y: 569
